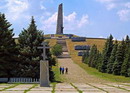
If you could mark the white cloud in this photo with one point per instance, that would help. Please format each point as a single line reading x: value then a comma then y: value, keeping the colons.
x: 124, y: 14
x: 101, y: 37
x: 123, y: 8
x: 127, y: 5
x: 70, y: 17
x: 42, y: 6
x: 15, y: 8
x: 105, y: 1
x: 71, y: 22
x: 110, y: 6
x: 50, y: 23
x: 84, y: 20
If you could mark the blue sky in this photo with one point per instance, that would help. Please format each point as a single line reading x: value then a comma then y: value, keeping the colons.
x: 90, y: 18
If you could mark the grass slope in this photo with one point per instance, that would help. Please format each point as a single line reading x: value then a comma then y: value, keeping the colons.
x: 52, y: 42
x: 92, y: 71
x: 99, y: 42
x: 58, y: 77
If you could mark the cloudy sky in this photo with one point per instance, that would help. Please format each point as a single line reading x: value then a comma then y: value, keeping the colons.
x: 90, y: 18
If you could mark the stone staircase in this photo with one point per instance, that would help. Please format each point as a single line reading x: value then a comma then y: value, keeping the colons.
x: 65, y: 53
x: 63, y: 43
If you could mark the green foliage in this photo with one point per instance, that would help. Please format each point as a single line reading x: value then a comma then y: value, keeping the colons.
x: 29, y: 40
x: 8, y: 49
x: 118, y: 61
x: 105, y: 76
x: 57, y: 50
x: 85, y: 56
x: 126, y: 63
x: 112, y: 58
x: 94, y: 58
x: 99, y: 60
x: 107, y: 53
x: 128, y: 72
x: 52, y: 62
x: 115, y: 58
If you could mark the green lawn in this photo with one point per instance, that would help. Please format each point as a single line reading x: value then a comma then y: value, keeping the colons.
x: 58, y: 78
x: 105, y: 76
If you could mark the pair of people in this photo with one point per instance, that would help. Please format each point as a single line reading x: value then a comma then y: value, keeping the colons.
x: 63, y: 70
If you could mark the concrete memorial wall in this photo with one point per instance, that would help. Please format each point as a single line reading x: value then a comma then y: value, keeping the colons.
x: 82, y: 47
x: 81, y: 53
x: 78, y: 39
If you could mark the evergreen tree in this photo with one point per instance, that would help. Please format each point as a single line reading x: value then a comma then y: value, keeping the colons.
x: 93, y: 56
x: 112, y: 58
x: 125, y: 64
x: 118, y: 61
x: 52, y: 62
x: 98, y: 60
x: 123, y: 43
x: 85, y: 56
x: 128, y: 72
x: 107, y: 53
x: 8, y: 50
x: 29, y: 40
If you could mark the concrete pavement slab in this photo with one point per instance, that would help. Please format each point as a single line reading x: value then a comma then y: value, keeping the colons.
x: 12, y: 92
x: 39, y: 92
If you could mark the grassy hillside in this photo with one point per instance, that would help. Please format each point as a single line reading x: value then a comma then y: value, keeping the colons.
x: 92, y: 71
x: 52, y: 42
x: 73, y: 53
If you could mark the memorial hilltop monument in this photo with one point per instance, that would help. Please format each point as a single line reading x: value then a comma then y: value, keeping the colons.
x: 59, y: 29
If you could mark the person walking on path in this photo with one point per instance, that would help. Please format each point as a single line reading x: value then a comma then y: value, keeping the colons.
x: 60, y: 70
x: 63, y: 70
x: 66, y: 70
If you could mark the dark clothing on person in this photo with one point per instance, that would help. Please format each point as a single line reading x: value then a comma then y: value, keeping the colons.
x: 60, y: 70
x: 63, y: 70
x: 66, y: 70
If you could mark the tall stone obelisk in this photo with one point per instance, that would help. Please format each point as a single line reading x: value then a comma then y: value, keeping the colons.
x: 59, y: 29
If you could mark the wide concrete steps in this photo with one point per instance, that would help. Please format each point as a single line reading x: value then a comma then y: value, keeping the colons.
x: 64, y: 55
x: 64, y: 49
x: 62, y: 42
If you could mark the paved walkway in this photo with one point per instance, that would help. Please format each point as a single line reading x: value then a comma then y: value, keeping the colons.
x: 76, y: 74
x: 67, y: 88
